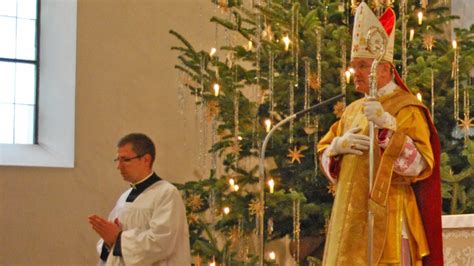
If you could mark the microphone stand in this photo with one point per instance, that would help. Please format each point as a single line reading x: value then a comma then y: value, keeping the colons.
x: 261, y: 181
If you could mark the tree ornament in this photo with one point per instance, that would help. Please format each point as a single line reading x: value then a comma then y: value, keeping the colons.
x: 234, y: 236
x: 295, y: 153
x: 236, y: 148
x: 332, y: 188
x: 192, y: 218
x: 270, y: 227
x: 255, y: 207
x: 354, y: 5
x: 194, y: 202
x: 296, y: 228
x: 403, y: 11
x: 465, y: 125
x: 212, y: 110
x: 428, y: 41
x: 267, y: 33
x: 314, y: 82
x: 339, y: 108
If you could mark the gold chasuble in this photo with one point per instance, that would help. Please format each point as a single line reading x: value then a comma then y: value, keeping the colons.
x: 392, y: 200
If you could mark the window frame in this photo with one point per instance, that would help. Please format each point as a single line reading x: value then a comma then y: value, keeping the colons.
x: 55, y: 126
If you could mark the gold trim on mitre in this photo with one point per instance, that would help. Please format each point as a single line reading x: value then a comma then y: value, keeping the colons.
x: 365, y: 20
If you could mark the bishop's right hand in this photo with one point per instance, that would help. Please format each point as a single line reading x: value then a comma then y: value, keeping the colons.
x: 350, y: 143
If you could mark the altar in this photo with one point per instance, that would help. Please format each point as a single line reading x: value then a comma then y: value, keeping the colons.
x: 458, y: 239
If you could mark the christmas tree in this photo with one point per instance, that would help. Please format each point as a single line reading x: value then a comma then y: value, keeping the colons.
x: 284, y: 56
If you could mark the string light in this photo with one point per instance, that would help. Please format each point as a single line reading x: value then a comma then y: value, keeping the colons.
x: 232, y: 182
x: 268, y: 125
x: 455, y: 44
x: 236, y: 188
x: 271, y: 185
x: 216, y: 89
x: 420, y: 17
x: 286, y: 41
x: 419, y: 97
x: 352, y: 70
x: 226, y: 210
x: 412, y: 34
x: 213, y: 262
x: 272, y: 255
x: 239, y: 137
x: 249, y: 46
x: 213, y: 51
x: 348, y: 76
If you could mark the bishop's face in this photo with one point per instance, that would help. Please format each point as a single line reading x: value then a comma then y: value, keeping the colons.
x: 133, y: 167
x: 362, y: 68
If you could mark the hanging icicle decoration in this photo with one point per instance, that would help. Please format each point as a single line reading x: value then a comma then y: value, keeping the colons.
x: 293, y: 83
x: 296, y: 47
x: 271, y: 75
x: 236, y: 126
x: 432, y: 96
x: 343, y: 69
x: 424, y: 3
x: 183, y: 81
x: 306, y: 90
x: 466, y: 123
x: 296, y: 229
x: 318, y: 63
x: 258, y: 93
x: 315, y: 146
x: 389, y: 3
x: 403, y: 10
x: 376, y: 6
x: 292, y: 111
x: 200, y: 120
x: 456, y: 80
x: 213, y: 141
x: 354, y: 5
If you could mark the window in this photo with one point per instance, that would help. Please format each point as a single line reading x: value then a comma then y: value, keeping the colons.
x: 18, y: 70
x: 56, y: 80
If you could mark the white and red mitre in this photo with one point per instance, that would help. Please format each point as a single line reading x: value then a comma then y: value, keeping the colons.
x: 365, y: 20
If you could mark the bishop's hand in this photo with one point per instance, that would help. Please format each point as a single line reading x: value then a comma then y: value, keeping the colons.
x: 350, y: 143
x: 374, y: 112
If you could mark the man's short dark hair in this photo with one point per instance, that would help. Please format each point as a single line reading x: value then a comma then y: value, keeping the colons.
x: 141, y: 144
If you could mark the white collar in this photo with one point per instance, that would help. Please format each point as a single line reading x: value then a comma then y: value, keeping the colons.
x: 387, y: 89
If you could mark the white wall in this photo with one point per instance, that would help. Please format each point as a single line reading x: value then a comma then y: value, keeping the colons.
x: 125, y: 82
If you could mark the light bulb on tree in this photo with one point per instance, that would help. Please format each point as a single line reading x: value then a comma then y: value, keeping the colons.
x: 271, y: 185
x: 216, y: 89
x: 286, y: 41
x: 419, y: 97
x: 455, y: 44
x: 226, y: 210
x: 236, y: 188
x: 348, y: 76
x: 249, y: 46
x: 412, y: 34
x: 268, y: 125
x: 231, y: 182
x: 213, y: 51
x: 420, y: 17
x: 272, y: 255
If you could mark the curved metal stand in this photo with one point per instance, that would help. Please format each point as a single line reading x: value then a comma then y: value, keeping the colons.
x: 261, y: 181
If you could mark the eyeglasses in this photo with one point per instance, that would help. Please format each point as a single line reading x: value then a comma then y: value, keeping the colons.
x: 126, y: 160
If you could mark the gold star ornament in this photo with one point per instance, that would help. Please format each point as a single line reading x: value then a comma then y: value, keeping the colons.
x: 295, y: 153
x: 194, y: 202
x: 255, y: 207
x: 339, y: 108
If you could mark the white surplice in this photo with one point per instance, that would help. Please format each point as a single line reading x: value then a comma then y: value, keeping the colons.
x: 154, y: 228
